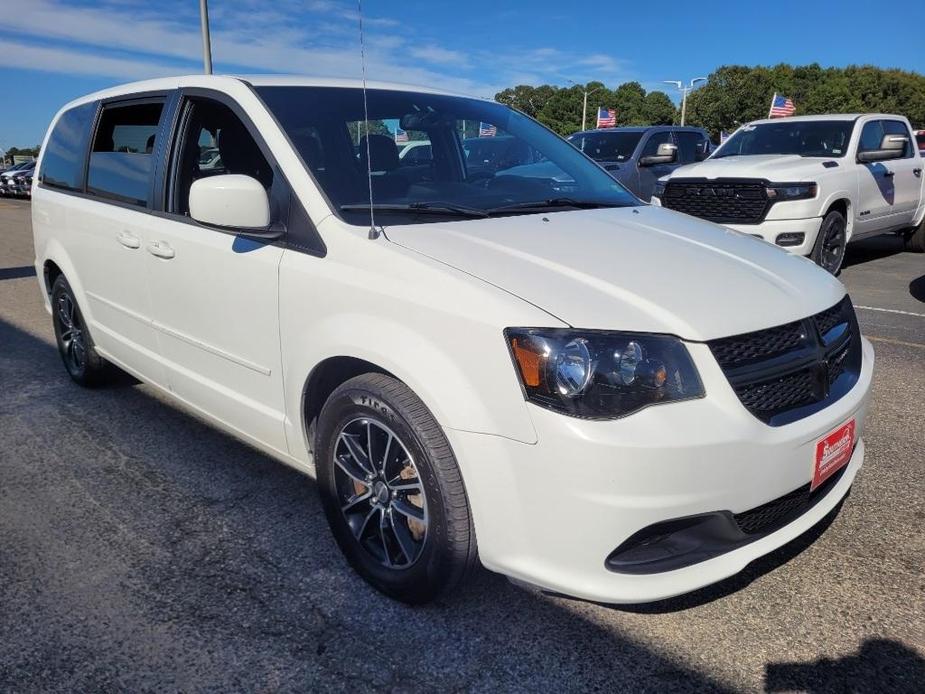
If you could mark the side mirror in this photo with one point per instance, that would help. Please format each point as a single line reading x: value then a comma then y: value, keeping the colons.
x: 234, y: 202
x: 891, y: 147
x: 666, y: 153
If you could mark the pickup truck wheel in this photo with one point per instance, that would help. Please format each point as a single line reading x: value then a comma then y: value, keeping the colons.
x: 75, y: 345
x: 914, y: 240
x: 392, y: 491
x: 829, y: 249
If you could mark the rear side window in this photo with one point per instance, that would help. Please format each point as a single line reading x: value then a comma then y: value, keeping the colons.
x: 122, y: 161
x: 63, y: 159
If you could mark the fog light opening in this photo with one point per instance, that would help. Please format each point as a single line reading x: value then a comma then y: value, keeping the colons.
x: 790, y: 239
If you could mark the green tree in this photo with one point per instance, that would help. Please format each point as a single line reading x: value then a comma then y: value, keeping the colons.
x: 658, y: 109
x: 523, y: 97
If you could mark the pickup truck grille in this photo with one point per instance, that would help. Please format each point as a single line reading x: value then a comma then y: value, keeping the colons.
x: 790, y: 371
x: 738, y: 202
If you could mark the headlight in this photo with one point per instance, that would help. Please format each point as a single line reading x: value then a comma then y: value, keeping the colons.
x: 791, y: 191
x: 601, y: 374
x: 659, y: 190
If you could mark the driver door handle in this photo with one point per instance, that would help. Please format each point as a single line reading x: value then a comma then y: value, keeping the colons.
x: 127, y: 240
x: 917, y: 173
x: 161, y: 249
x: 888, y: 174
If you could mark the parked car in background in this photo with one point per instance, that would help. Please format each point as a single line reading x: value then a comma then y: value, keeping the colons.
x: 639, y: 156
x: 920, y: 141
x: 584, y: 392
x: 809, y: 184
x: 17, y: 180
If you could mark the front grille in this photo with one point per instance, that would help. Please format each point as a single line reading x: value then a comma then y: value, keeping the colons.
x: 777, y: 513
x: 723, y: 201
x: 787, y: 372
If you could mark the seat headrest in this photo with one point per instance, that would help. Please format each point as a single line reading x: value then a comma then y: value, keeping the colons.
x: 383, y: 153
x: 240, y: 154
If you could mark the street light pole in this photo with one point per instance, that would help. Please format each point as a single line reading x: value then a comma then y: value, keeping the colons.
x: 684, y: 92
x: 206, y: 40
x: 584, y: 106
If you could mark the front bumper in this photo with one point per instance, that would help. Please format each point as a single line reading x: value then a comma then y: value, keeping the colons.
x: 772, y: 229
x: 551, y: 513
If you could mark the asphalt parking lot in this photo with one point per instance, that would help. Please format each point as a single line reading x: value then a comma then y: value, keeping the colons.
x: 142, y: 550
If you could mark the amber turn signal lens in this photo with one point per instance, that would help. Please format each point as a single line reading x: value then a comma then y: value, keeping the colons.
x: 530, y: 363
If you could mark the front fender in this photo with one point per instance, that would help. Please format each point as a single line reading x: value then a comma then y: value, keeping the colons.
x: 435, y: 328
x: 472, y: 392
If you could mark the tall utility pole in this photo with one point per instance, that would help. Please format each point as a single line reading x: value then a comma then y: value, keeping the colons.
x: 206, y: 41
x: 584, y: 107
x: 684, y: 92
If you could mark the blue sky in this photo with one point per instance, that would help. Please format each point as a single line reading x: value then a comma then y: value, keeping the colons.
x: 55, y: 50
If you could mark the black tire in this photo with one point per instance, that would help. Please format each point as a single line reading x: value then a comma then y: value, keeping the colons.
x: 829, y: 249
x: 914, y: 239
x: 75, y: 345
x: 443, y: 547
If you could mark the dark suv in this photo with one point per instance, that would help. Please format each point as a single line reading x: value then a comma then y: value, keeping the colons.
x: 639, y: 156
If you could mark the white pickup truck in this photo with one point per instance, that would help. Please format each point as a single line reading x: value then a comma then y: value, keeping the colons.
x: 809, y: 184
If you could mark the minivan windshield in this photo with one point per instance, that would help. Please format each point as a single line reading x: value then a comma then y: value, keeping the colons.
x: 485, y: 159
x: 816, y: 138
x: 607, y: 146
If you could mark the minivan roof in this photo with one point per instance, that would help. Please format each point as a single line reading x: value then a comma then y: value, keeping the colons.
x: 220, y: 81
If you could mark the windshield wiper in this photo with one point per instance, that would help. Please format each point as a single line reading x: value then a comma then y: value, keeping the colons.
x: 555, y: 202
x: 444, y: 208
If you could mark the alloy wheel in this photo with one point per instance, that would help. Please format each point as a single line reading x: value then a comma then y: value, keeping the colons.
x: 833, y: 245
x: 380, y: 492
x: 71, y: 333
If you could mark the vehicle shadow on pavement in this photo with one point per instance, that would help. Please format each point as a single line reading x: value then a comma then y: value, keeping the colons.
x: 874, y: 248
x: 142, y: 549
x: 880, y: 665
x: 917, y: 289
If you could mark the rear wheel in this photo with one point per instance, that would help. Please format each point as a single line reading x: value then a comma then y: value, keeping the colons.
x: 392, y: 491
x: 829, y: 249
x: 75, y: 345
x: 914, y: 239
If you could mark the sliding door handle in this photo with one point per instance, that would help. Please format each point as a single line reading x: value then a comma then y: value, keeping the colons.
x: 129, y: 241
x: 161, y: 249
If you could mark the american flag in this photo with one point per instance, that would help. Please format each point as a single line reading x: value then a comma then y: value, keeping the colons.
x: 781, y: 106
x: 400, y: 135
x: 606, y: 117
x: 487, y: 130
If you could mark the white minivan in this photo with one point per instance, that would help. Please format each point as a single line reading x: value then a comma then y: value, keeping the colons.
x: 583, y: 392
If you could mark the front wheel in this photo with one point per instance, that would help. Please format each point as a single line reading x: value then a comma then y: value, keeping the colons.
x: 829, y: 249
x: 392, y: 491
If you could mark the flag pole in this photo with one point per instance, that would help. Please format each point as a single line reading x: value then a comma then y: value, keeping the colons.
x: 773, y: 99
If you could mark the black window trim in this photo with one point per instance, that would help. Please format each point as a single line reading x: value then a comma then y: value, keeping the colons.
x: 300, y: 232
x: 162, y: 97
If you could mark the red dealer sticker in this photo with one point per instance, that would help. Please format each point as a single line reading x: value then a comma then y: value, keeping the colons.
x: 833, y: 452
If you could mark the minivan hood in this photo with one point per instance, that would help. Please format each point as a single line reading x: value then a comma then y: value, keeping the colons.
x: 776, y: 168
x: 643, y: 268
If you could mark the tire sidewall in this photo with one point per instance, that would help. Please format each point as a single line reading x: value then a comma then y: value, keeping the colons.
x: 420, y: 581
x: 62, y: 288
x: 818, y: 248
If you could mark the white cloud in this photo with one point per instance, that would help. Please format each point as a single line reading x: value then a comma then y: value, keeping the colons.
x: 136, y: 38
x: 441, y: 56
